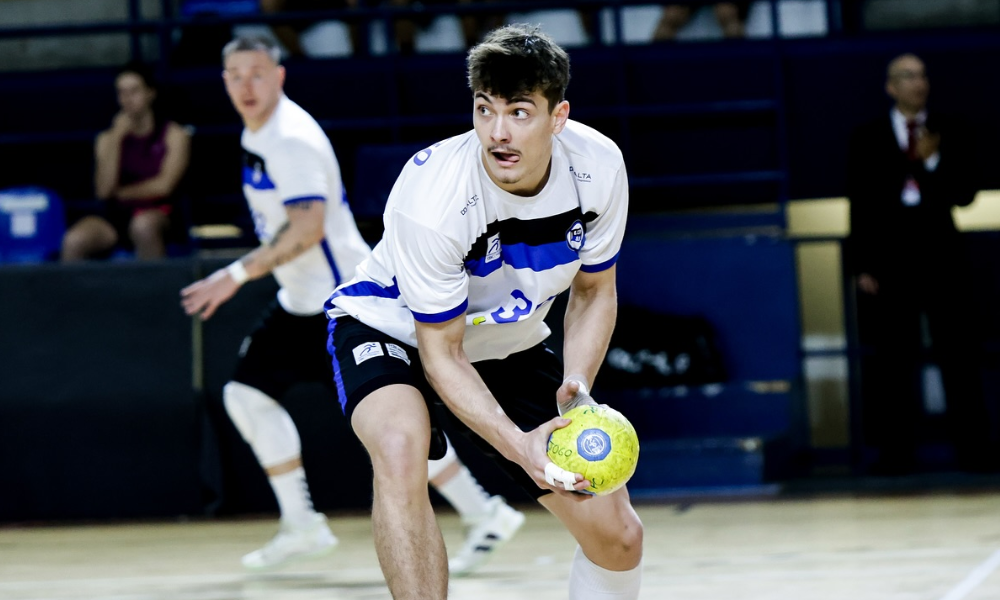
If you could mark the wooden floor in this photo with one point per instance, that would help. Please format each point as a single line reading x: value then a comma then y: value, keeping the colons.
x: 929, y: 547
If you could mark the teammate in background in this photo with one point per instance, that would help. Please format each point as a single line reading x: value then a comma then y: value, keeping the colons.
x: 483, y: 231
x: 310, y: 243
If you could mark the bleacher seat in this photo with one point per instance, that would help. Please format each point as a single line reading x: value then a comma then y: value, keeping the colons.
x: 32, y: 224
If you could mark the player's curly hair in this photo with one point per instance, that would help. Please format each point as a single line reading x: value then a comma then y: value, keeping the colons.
x: 519, y: 59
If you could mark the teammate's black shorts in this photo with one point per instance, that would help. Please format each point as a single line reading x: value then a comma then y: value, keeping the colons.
x: 524, y: 385
x: 285, y: 349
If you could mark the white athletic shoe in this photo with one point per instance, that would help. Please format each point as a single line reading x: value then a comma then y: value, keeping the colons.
x: 485, y: 536
x: 294, y: 543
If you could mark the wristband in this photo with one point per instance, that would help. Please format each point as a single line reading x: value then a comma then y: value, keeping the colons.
x: 238, y: 272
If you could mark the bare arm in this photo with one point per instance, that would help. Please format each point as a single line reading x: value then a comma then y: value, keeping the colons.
x: 107, y: 162
x: 451, y: 374
x: 303, y: 230
x: 589, y: 321
x: 175, y: 163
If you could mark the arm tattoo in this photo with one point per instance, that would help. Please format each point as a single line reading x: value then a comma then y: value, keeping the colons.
x: 276, y: 259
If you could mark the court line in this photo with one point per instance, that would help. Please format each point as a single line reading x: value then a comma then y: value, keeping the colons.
x: 973, y: 579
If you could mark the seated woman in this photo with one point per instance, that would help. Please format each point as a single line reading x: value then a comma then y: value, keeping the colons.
x: 140, y: 161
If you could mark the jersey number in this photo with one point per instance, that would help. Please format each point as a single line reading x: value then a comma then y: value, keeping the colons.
x: 514, y: 310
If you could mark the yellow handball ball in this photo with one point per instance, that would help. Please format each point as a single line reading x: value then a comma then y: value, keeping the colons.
x: 600, y: 444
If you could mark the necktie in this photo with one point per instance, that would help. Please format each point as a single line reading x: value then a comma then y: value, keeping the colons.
x: 911, y: 139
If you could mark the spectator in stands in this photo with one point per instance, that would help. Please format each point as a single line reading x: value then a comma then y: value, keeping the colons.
x: 907, y: 170
x: 140, y: 161
x: 473, y: 25
x: 732, y: 17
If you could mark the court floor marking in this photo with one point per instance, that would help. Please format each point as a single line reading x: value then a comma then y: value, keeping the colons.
x: 973, y: 579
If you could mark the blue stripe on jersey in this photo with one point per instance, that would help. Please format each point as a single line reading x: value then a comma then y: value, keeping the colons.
x: 258, y: 180
x: 525, y: 256
x: 604, y: 266
x: 442, y: 316
x: 298, y: 199
x: 338, y: 380
x: 329, y: 259
x: 366, y: 288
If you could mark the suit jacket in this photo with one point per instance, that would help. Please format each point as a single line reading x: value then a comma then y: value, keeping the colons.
x: 887, y: 235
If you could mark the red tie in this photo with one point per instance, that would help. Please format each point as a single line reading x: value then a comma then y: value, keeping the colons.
x: 911, y: 139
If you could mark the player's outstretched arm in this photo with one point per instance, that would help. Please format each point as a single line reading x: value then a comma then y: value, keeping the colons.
x: 303, y: 230
x: 453, y: 377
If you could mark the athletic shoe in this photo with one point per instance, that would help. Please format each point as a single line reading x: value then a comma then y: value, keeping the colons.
x: 485, y: 536
x: 294, y: 543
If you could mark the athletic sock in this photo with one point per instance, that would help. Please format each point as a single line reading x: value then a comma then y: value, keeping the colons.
x: 588, y: 581
x: 465, y: 494
x: 294, y: 501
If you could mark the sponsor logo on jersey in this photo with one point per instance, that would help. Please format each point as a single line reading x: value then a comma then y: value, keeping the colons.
x: 494, y: 248
x: 581, y: 177
x: 398, y: 352
x: 470, y: 203
x: 576, y: 236
x: 366, y: 351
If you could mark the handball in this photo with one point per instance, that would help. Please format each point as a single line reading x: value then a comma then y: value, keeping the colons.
x: 600, y: 444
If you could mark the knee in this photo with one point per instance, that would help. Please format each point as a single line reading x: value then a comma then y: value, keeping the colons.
x: 146, y: 228
x: 399, y: 458
x: 82, y: 240
x: 247, y: 406
x: 631, y: 536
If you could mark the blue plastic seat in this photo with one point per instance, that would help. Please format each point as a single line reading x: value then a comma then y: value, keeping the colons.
x: 32, y: 224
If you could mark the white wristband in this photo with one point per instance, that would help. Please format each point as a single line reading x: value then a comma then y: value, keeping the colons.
x: 238, y: 272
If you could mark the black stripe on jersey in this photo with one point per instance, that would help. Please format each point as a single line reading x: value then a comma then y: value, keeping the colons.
x: 532, y: 232
x: 253, y: 160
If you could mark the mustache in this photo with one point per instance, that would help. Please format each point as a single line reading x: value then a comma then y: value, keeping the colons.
x: 503, y: 150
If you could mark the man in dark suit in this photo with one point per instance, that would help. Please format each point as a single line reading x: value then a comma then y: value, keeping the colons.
x: 906, y: 172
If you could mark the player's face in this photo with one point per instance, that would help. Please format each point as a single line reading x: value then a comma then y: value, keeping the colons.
x: 516, y: 135
x: 908, y: 84
x: 254, y: 83
x: 134, y: 96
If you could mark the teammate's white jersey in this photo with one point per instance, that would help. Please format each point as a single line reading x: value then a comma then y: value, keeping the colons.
x: 455, y: 242
x: 290, y: 160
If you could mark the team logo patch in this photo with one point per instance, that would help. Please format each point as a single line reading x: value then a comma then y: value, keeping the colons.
x: 576, y: 236
x: 398, y: 352
x: 366, y: 351
x: 494, y: 252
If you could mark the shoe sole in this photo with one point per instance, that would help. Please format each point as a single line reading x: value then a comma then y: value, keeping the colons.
x: 296, y: 558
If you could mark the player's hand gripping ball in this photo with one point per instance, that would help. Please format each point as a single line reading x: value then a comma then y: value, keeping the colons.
x: 600, y: 444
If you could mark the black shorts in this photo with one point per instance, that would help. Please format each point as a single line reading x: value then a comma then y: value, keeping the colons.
x: 524, y: 384
x: 285, y: 349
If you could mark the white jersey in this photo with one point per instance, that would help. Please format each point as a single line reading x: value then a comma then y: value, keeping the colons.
x: 290, y: 160
x: 456, y: 243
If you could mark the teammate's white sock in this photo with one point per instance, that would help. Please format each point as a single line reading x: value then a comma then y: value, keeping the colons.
x: 462, y: 491
x: 588, y: 581
x: 292, y: 493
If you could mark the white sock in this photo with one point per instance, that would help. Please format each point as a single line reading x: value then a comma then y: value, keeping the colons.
x: 588, y: 581
x: 465, y: 494
x: 294, y: 501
